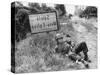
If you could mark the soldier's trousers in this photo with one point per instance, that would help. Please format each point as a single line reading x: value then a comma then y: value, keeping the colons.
x: 82, y: 47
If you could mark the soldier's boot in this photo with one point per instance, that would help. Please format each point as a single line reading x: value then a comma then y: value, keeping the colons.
x: 85, y: 63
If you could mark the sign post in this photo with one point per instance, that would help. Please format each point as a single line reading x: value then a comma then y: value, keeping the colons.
x: 43, y: 22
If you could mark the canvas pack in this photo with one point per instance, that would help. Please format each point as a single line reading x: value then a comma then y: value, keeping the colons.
x: 49, y: 37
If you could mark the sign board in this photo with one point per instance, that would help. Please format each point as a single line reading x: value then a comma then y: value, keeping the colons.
x: 43, y: 22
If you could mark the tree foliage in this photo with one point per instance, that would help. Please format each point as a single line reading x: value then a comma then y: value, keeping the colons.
x: 89, y: 12
x: 20, y: 17
x: 61, y: 9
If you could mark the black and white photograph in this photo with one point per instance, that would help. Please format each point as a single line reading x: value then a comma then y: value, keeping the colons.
x: 48, y: 37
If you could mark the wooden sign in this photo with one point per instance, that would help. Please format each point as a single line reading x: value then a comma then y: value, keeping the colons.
x: 43, y: 22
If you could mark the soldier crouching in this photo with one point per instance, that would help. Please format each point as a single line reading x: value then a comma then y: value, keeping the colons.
x: 61, y: 47
x: 66, y: 47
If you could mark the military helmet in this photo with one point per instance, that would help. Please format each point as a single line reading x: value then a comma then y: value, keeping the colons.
x: 59, y: 36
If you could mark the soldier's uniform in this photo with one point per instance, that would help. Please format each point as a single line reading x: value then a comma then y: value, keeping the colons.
x: 66, y: 47
x: 63, y: 45
x: 82, y: 47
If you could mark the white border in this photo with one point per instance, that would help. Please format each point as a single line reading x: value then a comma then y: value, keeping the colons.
x: 5, y: 27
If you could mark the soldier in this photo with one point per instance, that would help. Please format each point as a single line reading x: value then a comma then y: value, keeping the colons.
x: 61, y: 47
x: 67, y: 47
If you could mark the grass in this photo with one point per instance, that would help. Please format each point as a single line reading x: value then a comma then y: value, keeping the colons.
x: 36, y: 53
x: 39, y: 55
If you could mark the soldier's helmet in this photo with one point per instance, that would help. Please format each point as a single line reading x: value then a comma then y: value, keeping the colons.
x: 62, y: 35
x: 59, y: 36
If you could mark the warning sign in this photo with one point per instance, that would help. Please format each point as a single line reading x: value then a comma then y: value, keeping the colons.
x: 43, y: 22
